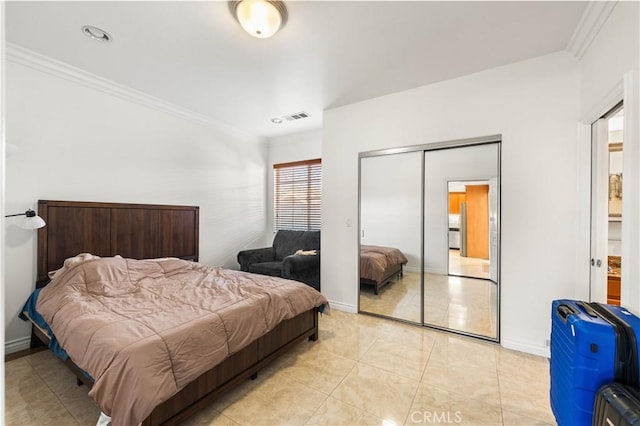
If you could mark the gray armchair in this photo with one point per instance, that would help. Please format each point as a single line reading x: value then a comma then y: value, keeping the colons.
x: 280, y: 260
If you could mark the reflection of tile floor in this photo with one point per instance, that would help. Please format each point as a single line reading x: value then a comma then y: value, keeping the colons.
x: 468, y: 266
x: 464, y: 304
x: 362, y: 371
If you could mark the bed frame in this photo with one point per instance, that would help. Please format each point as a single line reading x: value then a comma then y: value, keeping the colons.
x: 147, y: 231
x: 389, y: 273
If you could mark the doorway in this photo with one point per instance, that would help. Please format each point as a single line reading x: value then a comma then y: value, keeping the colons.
x: 606, y: 206
x: 469, y: 229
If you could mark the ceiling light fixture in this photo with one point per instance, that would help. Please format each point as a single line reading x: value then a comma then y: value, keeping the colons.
x: 276, y: 120
x: 260, y: 18
x: 96, y: 33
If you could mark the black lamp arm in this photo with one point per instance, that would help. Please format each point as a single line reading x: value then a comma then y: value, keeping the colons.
x: 28, y: 213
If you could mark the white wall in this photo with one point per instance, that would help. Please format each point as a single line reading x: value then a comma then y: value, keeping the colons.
x: 609, y: 72
x: 79, y: 143
x: 286, y: 149
x: 2, y: 168
x: 390, y: 211
x: 534, y: 105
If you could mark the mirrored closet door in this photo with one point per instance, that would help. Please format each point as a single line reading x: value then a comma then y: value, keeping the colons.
x: 390, y: 229
x: 430, y: 234
x: 460, y: 280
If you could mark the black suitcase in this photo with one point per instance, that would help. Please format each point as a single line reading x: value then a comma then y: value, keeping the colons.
x: 616, y: 405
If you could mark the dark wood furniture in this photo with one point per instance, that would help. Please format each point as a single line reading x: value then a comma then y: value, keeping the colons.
x: 390, y: 272
x: 148, y: 231
x: 137, y: 231
x: 613, y: 289
x: 614, y: 267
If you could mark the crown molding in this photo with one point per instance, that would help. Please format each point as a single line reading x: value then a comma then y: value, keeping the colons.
x: 611, y: 99
x: 590, y: 24
x: 28, y: 58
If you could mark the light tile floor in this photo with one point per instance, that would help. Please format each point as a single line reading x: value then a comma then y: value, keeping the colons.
x: 458, y: 303
x: 362, y: 371
x: 468, y: 266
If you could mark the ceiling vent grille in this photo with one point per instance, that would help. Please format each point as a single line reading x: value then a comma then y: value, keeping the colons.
x: 297, y: 116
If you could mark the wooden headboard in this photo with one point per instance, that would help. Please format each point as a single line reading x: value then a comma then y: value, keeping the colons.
x: 139, y: 231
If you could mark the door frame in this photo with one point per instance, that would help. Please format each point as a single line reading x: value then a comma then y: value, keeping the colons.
x: 599, y: 232
x: 625, y: 89
x: 479, y: 181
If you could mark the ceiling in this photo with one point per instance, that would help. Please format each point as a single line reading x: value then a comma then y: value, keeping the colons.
x: 330, y: 53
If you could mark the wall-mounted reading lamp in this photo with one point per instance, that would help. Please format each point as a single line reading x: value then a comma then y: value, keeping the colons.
x: 31, y: 221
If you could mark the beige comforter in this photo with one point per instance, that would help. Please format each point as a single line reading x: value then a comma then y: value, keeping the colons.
x: 143, y: 329
x: 375, y: 259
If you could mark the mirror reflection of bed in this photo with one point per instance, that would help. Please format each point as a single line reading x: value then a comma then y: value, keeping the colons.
x: 385, y: 287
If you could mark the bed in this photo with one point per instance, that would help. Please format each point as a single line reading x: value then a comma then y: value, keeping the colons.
x: 379, y: 265
x: 141, y: 231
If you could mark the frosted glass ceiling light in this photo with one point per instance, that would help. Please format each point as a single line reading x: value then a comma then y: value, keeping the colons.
x: 260, y: 18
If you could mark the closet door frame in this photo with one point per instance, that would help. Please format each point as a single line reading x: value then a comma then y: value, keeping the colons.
x: 456, y: 143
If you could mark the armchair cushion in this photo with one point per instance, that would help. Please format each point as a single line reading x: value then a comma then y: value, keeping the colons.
x: 287, y: 243
x: 297, y: 263
x: 267, y: 268
x: 246, y: 258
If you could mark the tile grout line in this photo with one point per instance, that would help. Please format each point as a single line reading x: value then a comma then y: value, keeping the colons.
x: 415, y: 395
x: 327, y: 395
x: 424, y: 370
x: 499, y: 385
x: 55, y: 395
x: 347, y: 375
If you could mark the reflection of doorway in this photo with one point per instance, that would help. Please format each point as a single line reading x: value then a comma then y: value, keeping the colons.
x: 469, y: 229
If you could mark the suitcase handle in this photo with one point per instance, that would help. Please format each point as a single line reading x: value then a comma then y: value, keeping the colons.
x: 588, y: 309
x: 564, y: 311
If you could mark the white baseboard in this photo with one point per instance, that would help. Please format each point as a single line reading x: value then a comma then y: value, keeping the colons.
x: 435, y: 271
x: 525, y: 347
x: 343, y: 307
x: 17, y: 345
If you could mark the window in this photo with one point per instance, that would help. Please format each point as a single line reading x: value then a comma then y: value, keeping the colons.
x: 298, y: 195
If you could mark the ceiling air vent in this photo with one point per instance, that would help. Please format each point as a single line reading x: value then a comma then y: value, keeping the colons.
x: 296, y: 116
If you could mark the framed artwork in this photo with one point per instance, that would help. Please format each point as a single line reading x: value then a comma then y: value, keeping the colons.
x: 615, y: 180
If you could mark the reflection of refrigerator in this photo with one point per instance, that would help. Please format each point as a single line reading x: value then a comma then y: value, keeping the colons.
x: 463, y: 229
x: 454, y: 231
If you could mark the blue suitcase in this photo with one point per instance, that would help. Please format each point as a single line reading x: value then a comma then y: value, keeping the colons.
x: 591, y: 345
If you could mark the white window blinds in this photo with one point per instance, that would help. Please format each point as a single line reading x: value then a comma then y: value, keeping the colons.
x: 298, y: 195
